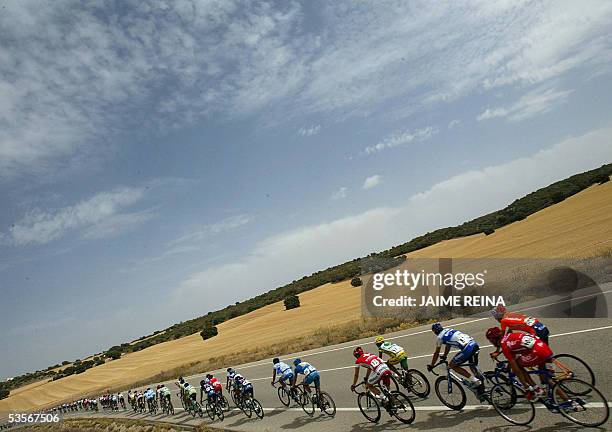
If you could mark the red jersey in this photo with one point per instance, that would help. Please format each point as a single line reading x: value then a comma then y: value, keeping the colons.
x: 214, y: 382
x: 528, y: 351
x: 372, y: 362
x: 520, y: 322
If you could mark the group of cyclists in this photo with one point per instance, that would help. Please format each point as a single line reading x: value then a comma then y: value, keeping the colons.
x: 522, y: 340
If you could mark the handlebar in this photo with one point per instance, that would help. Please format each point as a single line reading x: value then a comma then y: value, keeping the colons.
x: 441, y: 362
x: 363, y: 382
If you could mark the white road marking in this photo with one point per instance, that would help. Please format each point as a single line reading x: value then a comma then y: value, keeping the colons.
x: 265, y: 362
x: 453, y: 351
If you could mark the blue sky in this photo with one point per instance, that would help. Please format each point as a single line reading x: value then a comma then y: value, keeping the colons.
x: 162, y: 159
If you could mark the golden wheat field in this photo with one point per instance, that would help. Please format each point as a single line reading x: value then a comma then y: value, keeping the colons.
x: 577, y: 227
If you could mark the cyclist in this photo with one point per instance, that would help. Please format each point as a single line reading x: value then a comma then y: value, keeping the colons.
x: 164, y: 395
x: 212, y: 387
x: 522, y: 351
x: 191, y: 394
x: 243, y: 386
x: 376, y: 371
x: 395, y: 352
x: 140, y: 399
x: 511, y: 321
x: 283, y: 370
x: 469, y: 350
x: 231, y: 374
x: 311, y: 375
x: 150, y: 398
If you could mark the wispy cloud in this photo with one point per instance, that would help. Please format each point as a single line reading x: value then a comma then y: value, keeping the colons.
x: 340, y: 193
x: 309, y: 130
x: 281, y: 258
x: 101, y: 215
x: 372, y: 181
x: 403, y: 137
x: 454, y: 123
x: 62, y: 64
x: 538, y: 101
x: 202, y: 233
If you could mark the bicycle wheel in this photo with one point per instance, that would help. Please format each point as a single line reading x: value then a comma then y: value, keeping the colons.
x: 450, y: 393
x: 369, y: 407
x: 571, y: 366
x: 308, y: 404
x: 284, y: 396
x: 416, y: 382
x: 219, y: 411
x: 236, y: 399
x: 327, y: 404
x: 257, y: 408
x: 403, y: 410
x: 210, y: 410
x: 580, y: 402
x: 511, y: 403
x: 247, y: 408
x: 170, y: 408
x: 224, y: 403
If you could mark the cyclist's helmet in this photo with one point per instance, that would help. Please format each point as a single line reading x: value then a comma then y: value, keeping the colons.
x: 379, y: 341
x: 437, y: 328
x: 494, y: 335
x: 158, y: 386
x: 230, y: 370
x: 275, y: 360
x: 358, y: 352
x: 209, y: 376
x: 181, y: 380
x: 498, y: 312
x: 297, y: 361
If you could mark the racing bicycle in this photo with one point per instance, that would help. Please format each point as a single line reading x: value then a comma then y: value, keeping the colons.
x: 397, y: 404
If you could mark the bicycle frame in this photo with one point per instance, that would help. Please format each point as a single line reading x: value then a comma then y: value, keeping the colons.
x: 450, y: 373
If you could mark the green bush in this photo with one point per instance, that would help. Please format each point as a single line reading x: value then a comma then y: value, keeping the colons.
x: 291, y: 302
x: 113, y: 354
x: 489, y: 231
x: 4, y: 393
x: 209, y: 331
x: 356, y: 281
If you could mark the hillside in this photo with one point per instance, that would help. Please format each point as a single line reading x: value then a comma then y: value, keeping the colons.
x: 579, y: 226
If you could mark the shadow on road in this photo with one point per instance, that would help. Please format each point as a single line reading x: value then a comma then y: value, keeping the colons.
x: 301, y: 421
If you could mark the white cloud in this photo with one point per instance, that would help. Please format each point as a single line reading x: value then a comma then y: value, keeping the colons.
x: 454, y: 123
x: 63, y: 64
x: 372, y: 181
x: 286, y: 256
x: 205, y: 232
x: 401, y: 138
x: 538, y: 101
x: 340, y: 193
x: 309, y: 130
x: 99, y: 216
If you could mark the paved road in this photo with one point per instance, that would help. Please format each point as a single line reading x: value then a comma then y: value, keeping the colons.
x: 589, y: 338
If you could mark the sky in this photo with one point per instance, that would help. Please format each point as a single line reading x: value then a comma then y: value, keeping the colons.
x: 159, y: 160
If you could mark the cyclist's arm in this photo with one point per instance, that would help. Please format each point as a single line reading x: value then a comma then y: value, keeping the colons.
x: 273, y: 375
x: 355, y: 376
x: 436, y: 354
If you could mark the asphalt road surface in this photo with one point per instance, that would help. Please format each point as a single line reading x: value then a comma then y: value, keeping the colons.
x: 590, y: 339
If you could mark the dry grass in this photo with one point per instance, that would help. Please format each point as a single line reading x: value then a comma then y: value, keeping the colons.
x: 115, y: 425
x: 580, y: 226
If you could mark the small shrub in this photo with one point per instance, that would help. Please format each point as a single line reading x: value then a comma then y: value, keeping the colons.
x: 209, y: 331
x: 4, y: 393
x: 489, y: 231
x: 356, y: 281
x: 292, y: 302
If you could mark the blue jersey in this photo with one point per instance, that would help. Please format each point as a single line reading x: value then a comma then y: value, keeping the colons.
x: 305, y: 368
x: 454, y: 338
x: 149, y: 394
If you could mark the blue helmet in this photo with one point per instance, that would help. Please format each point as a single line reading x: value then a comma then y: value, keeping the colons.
x: 437, y: 328
x: 297, y: 361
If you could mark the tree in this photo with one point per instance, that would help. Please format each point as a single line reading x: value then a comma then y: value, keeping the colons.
x: 209, y: 331
x: 356, y: 281
x: 114, y: 354
x: 65, y: 362
x: 489, y: 231
x: 4, y: 393
x: 292, y: 301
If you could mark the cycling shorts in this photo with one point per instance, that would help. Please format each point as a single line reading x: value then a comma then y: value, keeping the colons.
x: 287, y: 376
x: 538, y: 356
x: 468, y: 351
x: 313, y: 377
x: 397, y: 358
x: 383, y: 373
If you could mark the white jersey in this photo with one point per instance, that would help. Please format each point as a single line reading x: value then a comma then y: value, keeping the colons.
x: 282, y: 368
x: 454, y: 338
